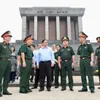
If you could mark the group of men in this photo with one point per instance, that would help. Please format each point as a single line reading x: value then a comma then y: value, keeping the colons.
x: 44, y: 60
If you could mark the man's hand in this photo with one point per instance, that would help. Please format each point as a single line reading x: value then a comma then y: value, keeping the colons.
x: 96, y: 63
x: 73, y: 64
x: 91, y: 63
x: 52, y: 65
x: 18, y: 63
x: 59, y: 66
x: 24, y: 64
x: 37, y: 67
x: 78, y: 64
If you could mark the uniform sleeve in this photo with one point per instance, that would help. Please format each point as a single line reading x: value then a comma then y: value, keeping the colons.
x: 72, y: 51
x: 59, y: 52
x: 78, y: 51
x: 23, y: 49
x: 32, y: 55
x: 96, y: 53
x: 91, y: 48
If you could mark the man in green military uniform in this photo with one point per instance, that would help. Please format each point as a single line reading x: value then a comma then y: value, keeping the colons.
x: 97, y: 54
x: 5, y: 63
x: 26, y: 64
x: 86, y: 59
x: 57, y: 69
x: 66, y: 63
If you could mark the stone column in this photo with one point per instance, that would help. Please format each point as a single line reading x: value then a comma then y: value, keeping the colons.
x: 35, y: 27
x: 46, y: 27
x: 80, y: 23
x: 24, y: 27
x: 57, y: 28
x: 76, y: 30
x: 69, y: 27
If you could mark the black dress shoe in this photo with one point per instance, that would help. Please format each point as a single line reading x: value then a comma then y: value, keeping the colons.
x: 71, y: 89
x: 48, y: 89
x: 29, y: 90
x: 98, y: 87
x: 0, y: 95
x: 83, y: 90
x: 34, y: 88
x: 7, y: 93
x: 23, y: 92
x: 41, y: 89
x: 92, y: 91
x: 56, y: 86
x: 63, y: 89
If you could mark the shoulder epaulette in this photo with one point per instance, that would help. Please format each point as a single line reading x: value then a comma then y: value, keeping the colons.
x: 88, y: 43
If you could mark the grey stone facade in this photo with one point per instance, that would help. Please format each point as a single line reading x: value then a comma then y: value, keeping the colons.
x: 72, y: 17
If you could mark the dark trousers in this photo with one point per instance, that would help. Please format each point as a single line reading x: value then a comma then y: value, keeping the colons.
x: 52, y: 73
x: 36, y: 78
x: 86, y: 69
x: 57, y: 72
x: 25, y: 76
x: 32, y: 74
x: 45, y: 69
x: 5, y: 68
x: 12, y: 76
x: 66, y: 67
x: 99, y: 70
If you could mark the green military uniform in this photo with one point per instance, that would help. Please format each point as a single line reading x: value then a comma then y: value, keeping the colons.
x: 85, y: 51
x: 97, y: 53
x: 66, y: 63
x: 25, y: 71
x: 5, y: 65
x: 57, y: 70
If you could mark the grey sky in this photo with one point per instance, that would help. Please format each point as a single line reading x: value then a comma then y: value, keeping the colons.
x: 10, y: 17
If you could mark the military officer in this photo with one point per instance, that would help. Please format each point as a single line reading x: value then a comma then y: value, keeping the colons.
x: 5, y: 63
x: 86, y: 59
x: 26, y: 64
x: 97, y: 54
x: 66, y: 63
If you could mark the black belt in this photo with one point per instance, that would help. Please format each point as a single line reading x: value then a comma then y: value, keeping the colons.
x: 84, y: 57
x: 66, y: 60
x: 45, y: 61
x: 5, y: 59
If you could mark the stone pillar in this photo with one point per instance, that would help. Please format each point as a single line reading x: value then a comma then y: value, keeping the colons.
x: 69, y: 27
x: 57, y: 28
x: 76, y: 30
x: 46, y: 27
x: 35, y: 27
x: 24, y: 27
x: 80, y: 28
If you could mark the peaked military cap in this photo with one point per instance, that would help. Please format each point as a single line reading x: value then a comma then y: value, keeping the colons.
x: 5, y: 34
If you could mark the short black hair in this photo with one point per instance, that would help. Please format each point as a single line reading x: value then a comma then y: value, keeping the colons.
x: 43, y: 40
x: 33, y: 45
x: 58, y: 45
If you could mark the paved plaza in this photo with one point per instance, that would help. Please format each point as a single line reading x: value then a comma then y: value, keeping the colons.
x: 55, y: 94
